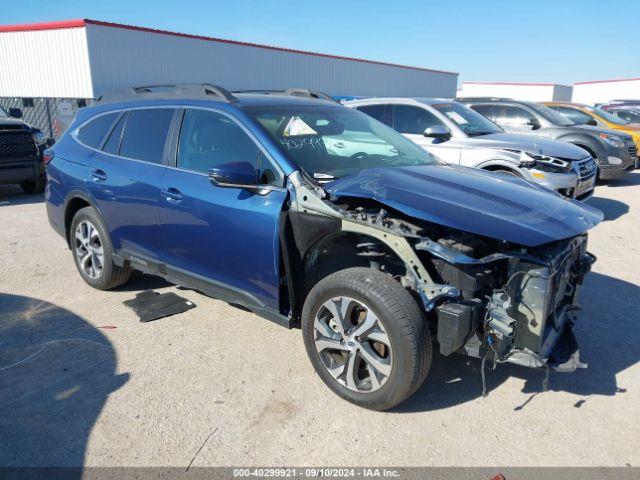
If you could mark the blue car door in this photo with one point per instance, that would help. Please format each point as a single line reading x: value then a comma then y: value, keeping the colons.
x: 124, y: 181
x: 226, y: 238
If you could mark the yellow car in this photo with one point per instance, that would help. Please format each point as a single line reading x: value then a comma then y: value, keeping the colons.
x: 586, y: 115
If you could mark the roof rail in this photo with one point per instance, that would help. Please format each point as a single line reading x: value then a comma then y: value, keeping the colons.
x: 186, y: 90
x: 293, y: 92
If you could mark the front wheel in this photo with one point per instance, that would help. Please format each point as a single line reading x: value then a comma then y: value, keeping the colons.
x: 366, y: 337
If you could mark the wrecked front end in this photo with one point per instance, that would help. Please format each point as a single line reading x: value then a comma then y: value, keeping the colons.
x: 489, y: 298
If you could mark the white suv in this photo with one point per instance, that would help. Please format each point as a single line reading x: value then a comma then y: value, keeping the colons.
x: 456, y: 134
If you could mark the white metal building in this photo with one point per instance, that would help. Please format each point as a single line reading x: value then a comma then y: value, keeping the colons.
x: 601, y: 91
x: 535, y: 92
x: 81, y: 58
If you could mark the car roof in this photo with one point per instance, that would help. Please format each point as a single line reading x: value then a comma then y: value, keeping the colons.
x: 385, y: 100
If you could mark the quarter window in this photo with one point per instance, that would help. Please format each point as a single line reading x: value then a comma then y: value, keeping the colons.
x: 145, y: 134
x: 94, y: 132
x: 413, y: 120
x: 209, y: 139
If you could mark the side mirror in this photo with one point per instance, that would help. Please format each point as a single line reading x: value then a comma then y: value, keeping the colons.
x: 238, y: 175
x: 592, y: 122
x: 534, y: 123
x: 15, y: 113
x: 437, y: 131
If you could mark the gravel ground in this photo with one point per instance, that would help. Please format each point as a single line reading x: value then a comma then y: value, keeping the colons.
x: 82, y: 382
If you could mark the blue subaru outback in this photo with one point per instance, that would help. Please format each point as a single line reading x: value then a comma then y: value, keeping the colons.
x: 309, y: 213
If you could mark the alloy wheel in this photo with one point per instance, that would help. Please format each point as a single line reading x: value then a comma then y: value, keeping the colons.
x: 353, y: 344
x: 89, y: 250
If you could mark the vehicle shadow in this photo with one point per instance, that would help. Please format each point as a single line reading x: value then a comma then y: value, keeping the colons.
x: 612, y: 209
x: 56, y: 372
x: 608, y: 336
x: 12, y: 195
x: 140, y: 282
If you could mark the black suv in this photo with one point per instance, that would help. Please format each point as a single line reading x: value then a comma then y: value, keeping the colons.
x: 21, y: 149
x: 610, y: 148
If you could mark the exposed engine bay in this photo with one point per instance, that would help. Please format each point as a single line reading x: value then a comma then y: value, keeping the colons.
x: 483, y: 297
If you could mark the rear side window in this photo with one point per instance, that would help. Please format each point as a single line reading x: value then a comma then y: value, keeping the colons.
x: 94, y: 132
x: 145, y: 134
x: 379, y: 112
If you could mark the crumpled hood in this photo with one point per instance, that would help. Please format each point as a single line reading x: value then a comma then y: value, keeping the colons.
x: 493, y: 205
x: 531, y: 144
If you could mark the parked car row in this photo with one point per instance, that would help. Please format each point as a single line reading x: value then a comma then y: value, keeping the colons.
x: 330, y: 217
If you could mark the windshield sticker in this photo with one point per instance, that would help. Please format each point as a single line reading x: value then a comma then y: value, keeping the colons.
x: 456, y: 117
x: 297, y: 127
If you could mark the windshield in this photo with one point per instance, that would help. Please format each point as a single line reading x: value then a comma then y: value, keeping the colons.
x: 332, y: 142
x: 3, y: 112
x: 609, y: 117
x: 551, y: 116
x: 470, y: 122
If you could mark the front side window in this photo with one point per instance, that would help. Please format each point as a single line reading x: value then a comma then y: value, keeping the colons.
x: 413, y: 120
x: 209, y: 139
x: 609, y: 117
x: 330, y: 142
x: 3, y: 112
x: 573, y: 114
x: 93, y: 132
x: 553, y: 117
x: 630, y: 116
x: 470, y: 122
x: 145, y: 134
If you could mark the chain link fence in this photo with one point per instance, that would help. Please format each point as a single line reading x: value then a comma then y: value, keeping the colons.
x: 51, y: 115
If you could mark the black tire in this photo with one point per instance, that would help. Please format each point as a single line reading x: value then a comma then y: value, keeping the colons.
x: 34, y: 186
x: 112, y: 275
x: 403, y: 321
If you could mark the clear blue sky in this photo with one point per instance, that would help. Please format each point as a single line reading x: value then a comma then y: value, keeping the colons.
x: 521, y: 40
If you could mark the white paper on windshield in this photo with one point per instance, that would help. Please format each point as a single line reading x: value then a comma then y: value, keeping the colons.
x: 456, y: 117
x: 296, y: 127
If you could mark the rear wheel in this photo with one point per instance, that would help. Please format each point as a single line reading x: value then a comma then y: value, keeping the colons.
x: 92, y: 251
x: 34, y: 186
x: 366, y: 337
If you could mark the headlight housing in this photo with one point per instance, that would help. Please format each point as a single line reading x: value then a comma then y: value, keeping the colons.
x: 39, y: 137
x: 612, y: 140
x: 544, y: 162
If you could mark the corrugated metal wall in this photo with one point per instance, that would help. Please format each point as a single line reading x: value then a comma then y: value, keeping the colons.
x: 45, y: 63
x: 121, y: 57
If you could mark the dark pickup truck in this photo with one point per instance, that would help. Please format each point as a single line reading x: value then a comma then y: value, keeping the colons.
x: 21, y: 148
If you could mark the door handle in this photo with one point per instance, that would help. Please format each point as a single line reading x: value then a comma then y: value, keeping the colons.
x: 98, y: 175
x: 172, y: 194
x: 339, y: 145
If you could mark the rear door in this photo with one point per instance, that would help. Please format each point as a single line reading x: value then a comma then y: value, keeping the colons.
x: 412, y: 121
x: 124, y: 181
x: 225, y: 238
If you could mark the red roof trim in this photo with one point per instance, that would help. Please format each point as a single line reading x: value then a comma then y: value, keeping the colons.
x: 608, y: 81
x: 84, y: 22
x: 28, y: 27
x: 518, y: 83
